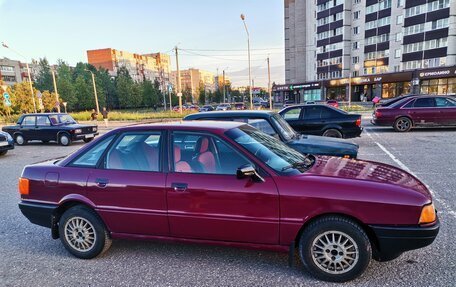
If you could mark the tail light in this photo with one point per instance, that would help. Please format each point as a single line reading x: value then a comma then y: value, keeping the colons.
x: 24, y: 186
x: 427, y: 214
x: 358, y: 122
x: 378, y: 114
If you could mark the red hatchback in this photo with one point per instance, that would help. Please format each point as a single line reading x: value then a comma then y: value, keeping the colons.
x: 230, y: 184
x: 417, y: 111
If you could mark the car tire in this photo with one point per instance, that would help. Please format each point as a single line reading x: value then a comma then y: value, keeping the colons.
x: 3, y: 152
x: 83, y: 233
x: 335, y: 249
x: 64, y: 139
x: 19, y: 139
x: 88, y: 140
x: 333, y: 133
x: 402, y: 124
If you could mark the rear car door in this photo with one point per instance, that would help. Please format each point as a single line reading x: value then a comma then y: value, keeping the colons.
x: 424, y: 111
x: 207, y: 201
x: 312, y: 120
x: 43, y: 129
x: 446, y: 111
x: 128, y: 185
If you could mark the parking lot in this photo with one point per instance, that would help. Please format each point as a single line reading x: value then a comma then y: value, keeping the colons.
x: 28, y: 255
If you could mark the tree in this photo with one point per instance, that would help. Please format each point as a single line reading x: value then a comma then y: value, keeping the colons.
x: 48, y: 100
x: 187, y: 96
x: 84, y: 94
x: 124, y: 86
x: 201, y: 93
x: 44, y: 78
x: 105, y: 83
x: 149, y: 94
x: 65, y: 85
x: 21, y: 98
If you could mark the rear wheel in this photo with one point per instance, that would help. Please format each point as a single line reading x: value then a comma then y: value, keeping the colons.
x: 335, y: 249
x: 64, y: 140
x: 332, y: 133
x: 402, y: 124
x: 3, y: 152
x: 83, y: 233
x: 20, y: 140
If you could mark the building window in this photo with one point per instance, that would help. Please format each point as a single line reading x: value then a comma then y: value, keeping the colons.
x: 397, y: 53
x: 399, y: 19
x: 9, y: 78
x: 356, y: 15
x: 355, y: 45
x: 355, y: 60
x: 397, y: 68
x: 398, y: 37
x: 400, y: 3
x: 355, y: 30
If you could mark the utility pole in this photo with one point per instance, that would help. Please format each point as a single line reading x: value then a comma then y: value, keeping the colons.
x: 94, y: 90
x: 224, y: 89
x: 179, y: 93
x: 248, y: 49
x: 269, y: 85
x: 57, y: 103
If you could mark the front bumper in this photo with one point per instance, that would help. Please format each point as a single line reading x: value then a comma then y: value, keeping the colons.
x: 9, y: 146
x: 38, y: 213
x: 84, y: 136
x: 393, y: 241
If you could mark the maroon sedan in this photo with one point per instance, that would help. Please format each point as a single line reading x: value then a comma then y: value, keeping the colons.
x: 228, y: 183
x: 417, y: 111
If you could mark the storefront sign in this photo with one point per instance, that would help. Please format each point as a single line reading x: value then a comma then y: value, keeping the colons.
x: 437, y: 73
x: 303, y: 86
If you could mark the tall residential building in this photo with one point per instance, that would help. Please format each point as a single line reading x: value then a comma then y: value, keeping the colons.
x: 192, y: 79
x: 382, y: 47
x: 150, y: 67
x: 10, y: 71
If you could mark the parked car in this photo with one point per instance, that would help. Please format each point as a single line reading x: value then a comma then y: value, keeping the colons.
x: 6, y: 143
x: 389, y: 102
x: 257, y: 106
x: 240, y: 106
x: 206, y: 108
x: 332, y: 103
x: 265, y: 104
x: 323, y: 120
x: 288, y: 103
x: 228, y: 183
x: 223, y: 107
x: 417, y: 111
x: 274, y: 125
x: 46, y: 127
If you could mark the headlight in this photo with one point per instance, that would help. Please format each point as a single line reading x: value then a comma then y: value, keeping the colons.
x: 94, y: 129
x: 9, y: 137
x: 427, y: 214
x: 77, y: 131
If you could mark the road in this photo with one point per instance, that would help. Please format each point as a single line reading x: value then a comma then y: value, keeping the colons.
x: 28, y: 255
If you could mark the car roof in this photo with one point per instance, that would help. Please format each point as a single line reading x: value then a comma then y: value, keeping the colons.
x: 43, y: 114
x: 246, y: 113
x: 188, y: 125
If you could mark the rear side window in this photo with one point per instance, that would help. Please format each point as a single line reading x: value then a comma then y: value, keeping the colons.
x: 42, y: 121
x: 424, y: 103
x: 90, y: 158
x: 292, y: 114
x: 328, y: 113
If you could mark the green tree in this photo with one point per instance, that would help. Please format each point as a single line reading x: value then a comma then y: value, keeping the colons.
x: 201, y: 93
x: 84, y: 94
x: 149, y: 94
x: 21, y: 99
x: 65, y: 85
x: 106, y: 83
x: 44, y: 78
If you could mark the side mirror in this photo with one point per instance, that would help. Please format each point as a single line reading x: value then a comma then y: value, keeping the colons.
x: 248, y: 171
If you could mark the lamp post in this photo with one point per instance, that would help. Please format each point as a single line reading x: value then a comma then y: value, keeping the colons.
x: 94, y: 90
x: 248, y: 51
x: 28, y: 72
x: 356, y: 68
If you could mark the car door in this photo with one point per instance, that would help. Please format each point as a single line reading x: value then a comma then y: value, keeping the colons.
x: 446, y: 111
x: 312, y: 121
x: 424, y: 111
x: 207, y: 201
x: 294, y: 118
x: 43, y: 129
x: 27, y: 127
x: 128, y: 185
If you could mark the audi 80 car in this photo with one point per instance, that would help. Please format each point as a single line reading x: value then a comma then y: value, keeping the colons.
x: 228, y: 183
x: 47, y: 127
x: 6, y: 143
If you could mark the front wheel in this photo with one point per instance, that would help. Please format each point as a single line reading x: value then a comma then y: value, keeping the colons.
x: 335, y: 249
x: 64, y: 140
x: 402, y: 124
x: 20, y: 140
x: 83, y: 233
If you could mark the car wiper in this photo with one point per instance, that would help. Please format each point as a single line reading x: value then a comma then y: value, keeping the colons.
x: 305, y: 164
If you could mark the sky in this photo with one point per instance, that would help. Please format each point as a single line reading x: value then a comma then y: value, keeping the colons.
x: 209, y: 32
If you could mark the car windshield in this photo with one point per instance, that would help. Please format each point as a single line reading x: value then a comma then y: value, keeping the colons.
x: 277, y: 155
x: 62, y: 119
x: 285, y: 129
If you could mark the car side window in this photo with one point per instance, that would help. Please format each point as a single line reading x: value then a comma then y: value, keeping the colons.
x: 327, y: 113
x: 444, y: 102
x: 262, y: 125
x: 42, y: 121
x: 312, y: 113
x: 409, y: 104
x: 204, y: 154
x: 90, y: 158
x: 28, y: 121
x: 136, y: 152
x: 292, y: 114
x: 424, y: 103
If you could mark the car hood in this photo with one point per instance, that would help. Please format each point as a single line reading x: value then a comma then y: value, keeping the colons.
x: 367, y: 171
x: 324, y: 145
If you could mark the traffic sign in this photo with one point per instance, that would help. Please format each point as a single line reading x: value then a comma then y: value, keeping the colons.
x: 6, y: 96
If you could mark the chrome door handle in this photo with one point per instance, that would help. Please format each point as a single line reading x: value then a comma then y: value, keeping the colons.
x: 179, y: 187
x: 102, y: 182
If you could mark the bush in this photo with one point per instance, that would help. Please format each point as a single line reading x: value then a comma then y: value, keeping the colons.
x: 130, y: 116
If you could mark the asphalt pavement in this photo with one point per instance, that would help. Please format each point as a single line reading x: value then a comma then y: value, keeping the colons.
x: 29, y: 257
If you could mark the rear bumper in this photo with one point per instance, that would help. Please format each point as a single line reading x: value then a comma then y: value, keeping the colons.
x: 38, y: 213
x: 393, y: 241
x: 353, y: 133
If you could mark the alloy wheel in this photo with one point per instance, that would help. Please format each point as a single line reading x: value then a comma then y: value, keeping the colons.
x: 80, y: 234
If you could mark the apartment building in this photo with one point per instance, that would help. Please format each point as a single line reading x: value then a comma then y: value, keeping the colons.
x: 156, y: 66
x: 359, y: 49
x: 10, y: 71
x: 192, y: 79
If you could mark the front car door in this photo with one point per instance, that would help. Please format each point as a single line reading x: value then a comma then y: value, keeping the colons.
x: 207, y: 201
x: 43, y: 129
x: 446, y: 111
x: 27, y: 127
x: 294, y: 118
x: 128, y: 185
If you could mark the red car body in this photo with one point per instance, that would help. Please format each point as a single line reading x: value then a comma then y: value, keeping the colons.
x: 333, y: 103
x: 417, y: 111
x: 223, y: 209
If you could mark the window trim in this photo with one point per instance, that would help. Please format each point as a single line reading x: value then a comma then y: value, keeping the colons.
x: 96, y: 166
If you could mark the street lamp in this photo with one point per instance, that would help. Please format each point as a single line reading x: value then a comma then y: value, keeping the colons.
x: 94, y: 90
x: 28, y: 72
x: 248, y: 50
x: 355, y: 68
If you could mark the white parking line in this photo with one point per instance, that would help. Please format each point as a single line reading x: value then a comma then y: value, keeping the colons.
x: 444, y: 204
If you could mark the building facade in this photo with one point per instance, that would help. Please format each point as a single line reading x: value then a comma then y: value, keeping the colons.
x: 10, y: 71
x: 359, y: 49
x: 192, y: 79
x: 152, y: 67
